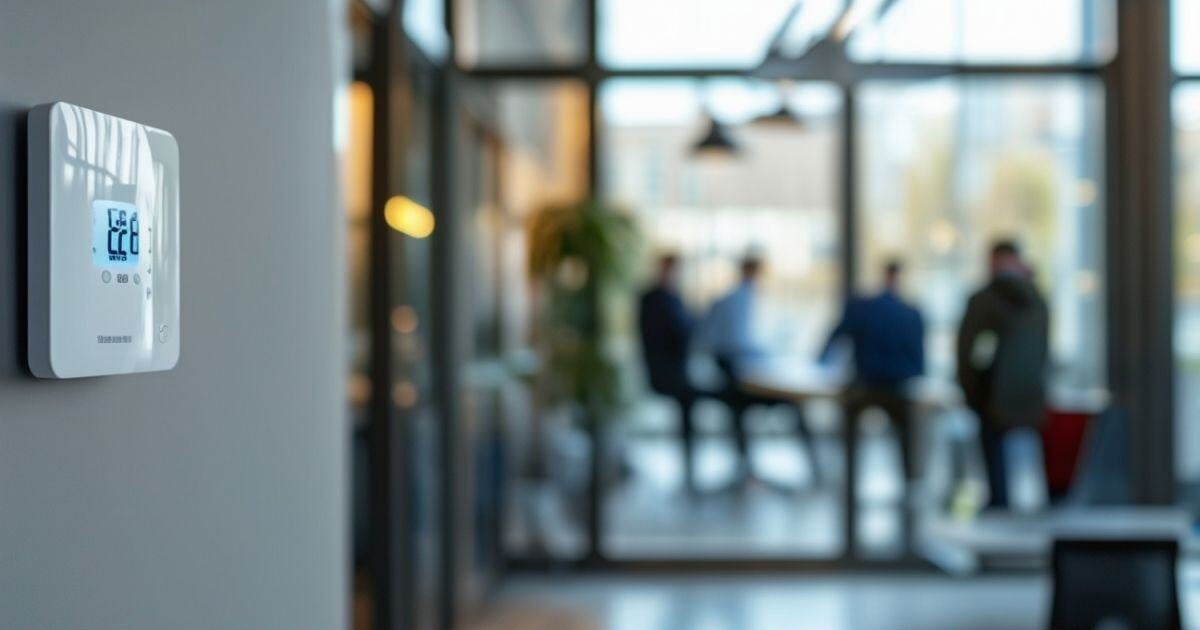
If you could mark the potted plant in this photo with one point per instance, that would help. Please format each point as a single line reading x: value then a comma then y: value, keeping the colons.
x: 584, y: 258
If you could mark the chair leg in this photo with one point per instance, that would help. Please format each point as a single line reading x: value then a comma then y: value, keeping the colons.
x: 809, y: 446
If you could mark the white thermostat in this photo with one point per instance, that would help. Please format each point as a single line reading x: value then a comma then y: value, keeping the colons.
x: 103, y: 244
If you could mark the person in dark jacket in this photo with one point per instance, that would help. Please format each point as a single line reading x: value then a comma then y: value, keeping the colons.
x: 1002, y: 358
x: 666, y: 329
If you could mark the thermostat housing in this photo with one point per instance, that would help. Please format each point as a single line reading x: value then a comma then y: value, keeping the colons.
x: 103, y: 244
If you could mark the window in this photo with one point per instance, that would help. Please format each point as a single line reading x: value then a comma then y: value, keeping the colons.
x: 544, y: 133
x: 520, y: 32
x: 988, y: 31
x: 776, y: 197
x: 948, y: 166
x: 535, y: 135
x: 1186, y: 44
x: 692, y: 33
x: 425, y: 24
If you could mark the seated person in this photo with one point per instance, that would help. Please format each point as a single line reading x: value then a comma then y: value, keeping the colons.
x: 666, y: 330
x: 726, y: 332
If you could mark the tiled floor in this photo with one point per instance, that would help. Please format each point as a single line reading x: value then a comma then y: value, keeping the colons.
x: 769, y: 603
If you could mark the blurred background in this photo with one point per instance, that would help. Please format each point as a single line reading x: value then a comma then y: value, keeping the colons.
x: 515, y: 169
x: 627, y: 315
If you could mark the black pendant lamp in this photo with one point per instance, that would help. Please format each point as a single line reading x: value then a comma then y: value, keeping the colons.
x: 716, y: 143
x: 782, y: 117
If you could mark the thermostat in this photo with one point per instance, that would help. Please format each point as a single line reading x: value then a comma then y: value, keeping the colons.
x: 103, y: 244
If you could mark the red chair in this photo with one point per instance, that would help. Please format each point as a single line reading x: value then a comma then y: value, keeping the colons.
x: 1062, y: 441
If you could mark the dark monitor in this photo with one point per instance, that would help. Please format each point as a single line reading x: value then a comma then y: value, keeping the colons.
x: 1115, y: 584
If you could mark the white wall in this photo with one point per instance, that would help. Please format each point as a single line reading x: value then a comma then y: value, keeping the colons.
x: 211, y: 496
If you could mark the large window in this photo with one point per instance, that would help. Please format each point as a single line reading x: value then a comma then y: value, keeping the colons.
x: 946, y: 167
x: 520, y: 32
x: 775, y: 197
x: 1183, y: 33
x: 1187, y: 282
x: 942, y: 167
x: 688, y: 33
x: 773, y: 193
x: 536, y: 135
x: 989, y: 31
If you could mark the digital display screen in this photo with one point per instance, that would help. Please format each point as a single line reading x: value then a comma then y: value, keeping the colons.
x: 116, y: 234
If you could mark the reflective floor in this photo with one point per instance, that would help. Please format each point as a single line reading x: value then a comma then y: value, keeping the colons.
x: 818, y: 602
x: 650, y: 515
x: 740, y: 603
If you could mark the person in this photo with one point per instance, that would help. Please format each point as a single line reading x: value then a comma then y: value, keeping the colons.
x: 1002, y: 355
x: 728, y: 326
x: 727, y: 332
x: 888, y: 337
x: 666, y: 327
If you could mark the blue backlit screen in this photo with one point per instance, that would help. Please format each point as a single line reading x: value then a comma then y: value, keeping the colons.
x: 116, y: 234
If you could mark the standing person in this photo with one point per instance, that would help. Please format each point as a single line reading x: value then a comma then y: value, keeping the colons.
x: 666, y: 330
x: 1002, y: 358
x: 727, y: 332
x: 888, y: 336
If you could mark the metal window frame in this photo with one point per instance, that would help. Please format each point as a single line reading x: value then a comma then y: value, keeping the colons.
x: 1137, y: 271
x: 391, y: 567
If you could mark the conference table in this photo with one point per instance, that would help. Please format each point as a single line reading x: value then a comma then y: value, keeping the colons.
x: 800, y: 381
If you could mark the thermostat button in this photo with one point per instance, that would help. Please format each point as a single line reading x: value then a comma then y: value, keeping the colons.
x: 137, y: 279
x: 106, y: 277
x: 162, y: 333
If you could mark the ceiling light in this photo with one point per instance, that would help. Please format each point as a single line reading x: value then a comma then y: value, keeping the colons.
x: 408, y: 217
x: 716, y: 142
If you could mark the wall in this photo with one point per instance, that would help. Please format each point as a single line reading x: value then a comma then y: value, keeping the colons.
x: 210, y: 496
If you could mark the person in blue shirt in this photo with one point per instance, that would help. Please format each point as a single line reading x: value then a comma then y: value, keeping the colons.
x: 888, y: 338
x: 727, y: 331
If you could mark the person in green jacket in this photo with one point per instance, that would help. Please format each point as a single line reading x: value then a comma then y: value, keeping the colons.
x: 1002, y: 358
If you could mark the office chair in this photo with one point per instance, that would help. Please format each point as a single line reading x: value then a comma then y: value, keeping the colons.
x: 1115, y: 584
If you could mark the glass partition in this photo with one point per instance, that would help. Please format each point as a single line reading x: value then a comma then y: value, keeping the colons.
x: 530, y: 146
x: 941, y: 169
x: 776, y: 196
x: 1187, y: 285
x: 947, y: 166
x: 411, y: 320
x: 520, y: 32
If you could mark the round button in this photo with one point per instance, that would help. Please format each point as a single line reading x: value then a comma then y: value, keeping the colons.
x: 137, y: 279
x: 106, y: 277
x: 162, y: 333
